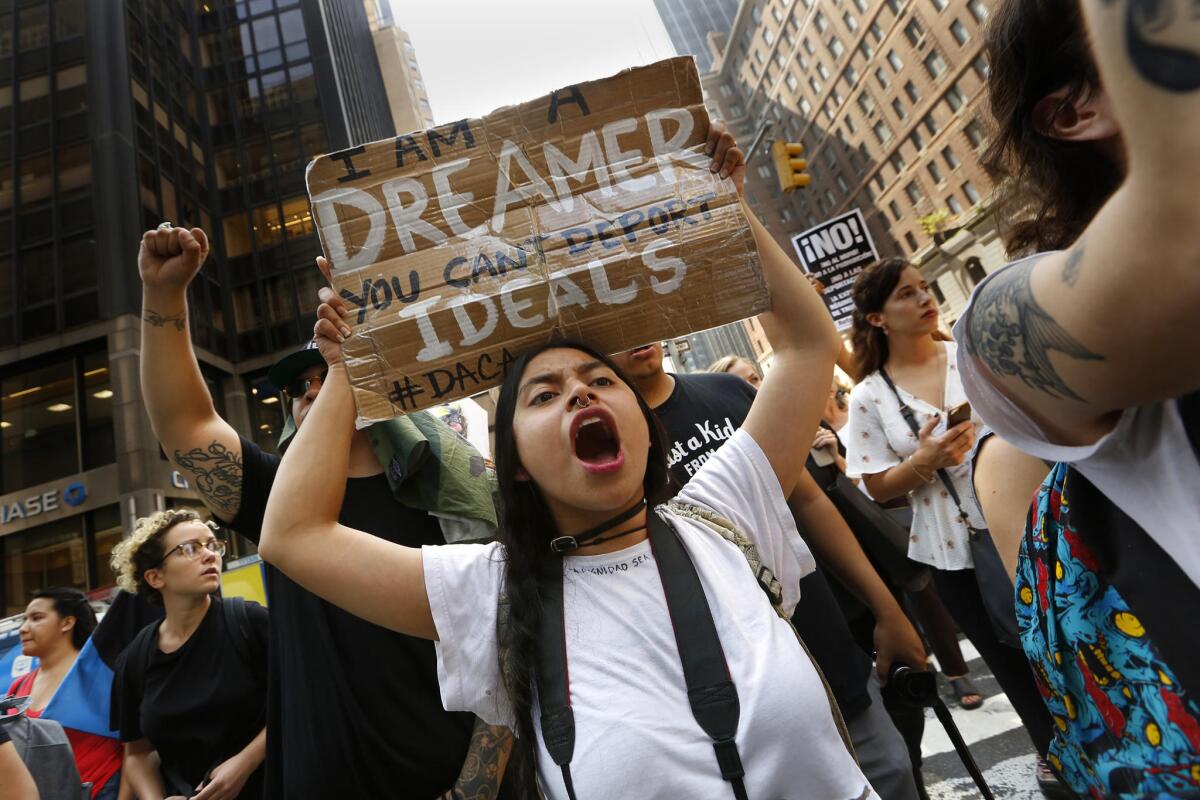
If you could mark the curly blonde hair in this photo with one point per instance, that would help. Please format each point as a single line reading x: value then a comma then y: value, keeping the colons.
x: 144, y: 550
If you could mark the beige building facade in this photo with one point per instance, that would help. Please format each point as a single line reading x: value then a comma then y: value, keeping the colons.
x: 407, y: 97
x: 888, y: 98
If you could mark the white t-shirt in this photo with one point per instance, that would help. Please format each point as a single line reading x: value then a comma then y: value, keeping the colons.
x: 635, y: 735
x: 1145, y: 464
x: 878, y: 438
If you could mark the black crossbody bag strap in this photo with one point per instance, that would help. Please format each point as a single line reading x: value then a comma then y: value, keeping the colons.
x: 711, y: 692
x: 911, y: 419
x: 553, y: 678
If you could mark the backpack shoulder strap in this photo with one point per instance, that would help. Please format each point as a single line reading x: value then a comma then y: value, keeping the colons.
x: 138, y: 658
x: 237, y: 627
x: 770, y: 586
x: 728, y: 531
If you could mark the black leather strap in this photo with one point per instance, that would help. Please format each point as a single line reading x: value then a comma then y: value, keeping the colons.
x: 711, y: 692
x: 911, y: 419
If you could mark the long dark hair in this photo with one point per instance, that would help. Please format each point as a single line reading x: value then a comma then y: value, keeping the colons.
x: 1051, y: 187
x: 871, y: 290
x: 526, y: 528
x: 69, y: 602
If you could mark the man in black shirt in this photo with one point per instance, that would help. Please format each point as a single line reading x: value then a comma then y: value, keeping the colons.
x: 699, y: 412
x: 354, y: 710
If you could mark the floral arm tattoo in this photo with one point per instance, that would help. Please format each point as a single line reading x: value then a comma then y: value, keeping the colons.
x: 218, y: 472
x: 1013, y: 335
x: 483, y: 769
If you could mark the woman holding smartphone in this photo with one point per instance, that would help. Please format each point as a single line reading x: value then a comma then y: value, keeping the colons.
x: 910, y: 366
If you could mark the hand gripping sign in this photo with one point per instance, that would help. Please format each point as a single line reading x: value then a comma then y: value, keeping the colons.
x: 590, y: 213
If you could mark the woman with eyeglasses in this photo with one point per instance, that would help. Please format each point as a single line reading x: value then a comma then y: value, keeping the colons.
x: 190, y: 690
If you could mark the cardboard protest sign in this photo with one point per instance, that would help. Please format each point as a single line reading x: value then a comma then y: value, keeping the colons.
x: 835, y: 252
x: 590, y: 213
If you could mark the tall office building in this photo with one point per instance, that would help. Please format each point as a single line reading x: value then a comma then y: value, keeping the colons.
x: 407, y: 98
x: 888, y: 99
x: 690, y: 23
x: 114, y: 116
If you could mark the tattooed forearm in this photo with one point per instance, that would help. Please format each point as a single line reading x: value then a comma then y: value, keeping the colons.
x: 218, y: 473
x: 1013, y: 335
x: 1159, y: 43
x: 487, y: 757
x: 1070, y: 273
x: 159, y: 321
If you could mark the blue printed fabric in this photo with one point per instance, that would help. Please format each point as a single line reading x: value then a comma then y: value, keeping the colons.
x: 1124, y: 726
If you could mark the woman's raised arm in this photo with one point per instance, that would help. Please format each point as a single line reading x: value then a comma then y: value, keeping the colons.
x: 372, y: 578
x: 801, y: 331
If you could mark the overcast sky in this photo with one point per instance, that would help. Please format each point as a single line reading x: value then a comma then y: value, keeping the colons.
x: 478, y: 55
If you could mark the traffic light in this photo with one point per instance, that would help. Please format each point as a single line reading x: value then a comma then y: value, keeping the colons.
x: 789, y: 166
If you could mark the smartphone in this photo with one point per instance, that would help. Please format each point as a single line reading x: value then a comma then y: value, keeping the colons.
x: 821, y: 456
x: 959, y: 414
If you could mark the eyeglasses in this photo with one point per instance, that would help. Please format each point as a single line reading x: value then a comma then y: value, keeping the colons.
x: 193, y: 548
x: 299, y: 387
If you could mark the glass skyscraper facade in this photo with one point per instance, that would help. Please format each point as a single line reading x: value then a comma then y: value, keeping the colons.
x: 116, y: 115
x: 688, y: 23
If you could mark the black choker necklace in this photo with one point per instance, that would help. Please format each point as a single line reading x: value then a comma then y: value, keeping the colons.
x: 565, y: 544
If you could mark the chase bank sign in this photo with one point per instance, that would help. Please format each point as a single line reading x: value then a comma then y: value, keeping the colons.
x: 73, y: 494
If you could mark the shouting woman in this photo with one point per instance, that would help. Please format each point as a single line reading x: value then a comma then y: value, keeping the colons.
x: 590, y: 546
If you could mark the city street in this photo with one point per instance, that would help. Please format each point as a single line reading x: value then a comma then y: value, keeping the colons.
x: 995, y: 736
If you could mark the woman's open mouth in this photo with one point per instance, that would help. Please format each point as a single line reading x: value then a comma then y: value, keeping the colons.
x: 643, y: 351
x: 211, y: 571
x: 597, y: 445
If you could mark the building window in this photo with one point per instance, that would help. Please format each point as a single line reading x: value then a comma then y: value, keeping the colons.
x: 805, y: 107
x: 912, y: 240
x: 898, y: 108
x: 43, y: 428
x: 897, y: 161
x: 954, y: 205
x: 836, y: 47
x: 935, y: 65
x: 821, y: 22
x: 726, y: 90
x: 808, y: 46
x: 978, y: 10
x: 954, y: 98
x: 930, y: 124
x: 814, y: 85
x: 910, y: 89
x: 866, y: 103
x: 980, y: 66
x: 895, y: 61
x: 914, y: 192
x: 895, y: 209
x: 937, y: 292
x: 876, y: 32
x: 975, y: 270
x: 882, y: 132
x: 959, y: 31
x: 768, y: 36
x: 935, y: 172
x: 791, y: 82
x: 765, y: 171
x: 917, y: 141
x: 867, y: 51
x: 861, y: 5
x: 850, y: 74
x: 850, y: 21
x: 971, y: 193
x: 914, y: 32
x: 939, y: 5
x: 950, y: 158
x: 777, y: 14
x: 975, y: 134
x: 785, y: 215
x: 850, y: 126
x: 882, y: 78
x: 823, y: 71
x: 841, y: 182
